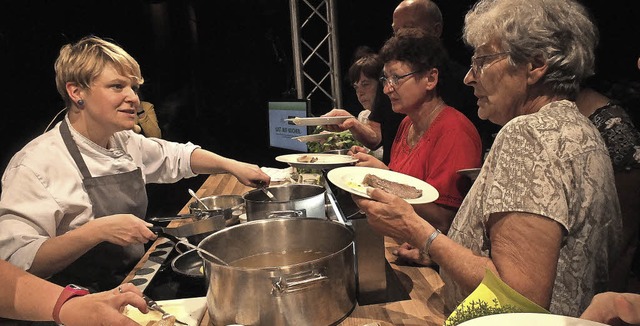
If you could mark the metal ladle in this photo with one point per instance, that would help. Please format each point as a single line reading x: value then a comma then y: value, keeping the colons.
x: 216, y: 258
x: 177, y: 241
x: 193, y: 194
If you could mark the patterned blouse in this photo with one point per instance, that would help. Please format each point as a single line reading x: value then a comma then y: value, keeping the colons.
x: 552, y: 163
x: 620, y: 135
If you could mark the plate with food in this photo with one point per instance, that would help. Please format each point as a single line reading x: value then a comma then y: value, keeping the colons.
x: 356, y: 180
x: 470, y: 173
x: 318, y: 121
x: 317, y: 160
x: 314, y: 137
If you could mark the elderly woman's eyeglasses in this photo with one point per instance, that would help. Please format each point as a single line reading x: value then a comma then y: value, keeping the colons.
x: 393, y: 80
x: 479, y: 62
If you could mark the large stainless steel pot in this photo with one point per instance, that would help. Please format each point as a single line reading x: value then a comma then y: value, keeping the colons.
x: 320, y: 291
x: 301, y: 200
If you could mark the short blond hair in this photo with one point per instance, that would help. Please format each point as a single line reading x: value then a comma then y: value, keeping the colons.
x: 83, y: 61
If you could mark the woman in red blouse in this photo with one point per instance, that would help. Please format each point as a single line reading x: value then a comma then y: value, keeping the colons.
x: 434, y: 140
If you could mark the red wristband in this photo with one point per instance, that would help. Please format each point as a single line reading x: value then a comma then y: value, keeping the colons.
x: 69, y: 292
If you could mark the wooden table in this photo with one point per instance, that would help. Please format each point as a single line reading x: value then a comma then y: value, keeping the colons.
x: 423, y: 284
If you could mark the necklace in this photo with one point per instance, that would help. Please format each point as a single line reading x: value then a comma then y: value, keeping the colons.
x: 431, y: 115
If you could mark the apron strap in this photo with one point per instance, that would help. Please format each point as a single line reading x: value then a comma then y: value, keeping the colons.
x: 73, y: 149
x: 105, y: 266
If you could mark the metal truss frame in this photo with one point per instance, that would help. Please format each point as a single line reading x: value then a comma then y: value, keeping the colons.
x: 315, y: 50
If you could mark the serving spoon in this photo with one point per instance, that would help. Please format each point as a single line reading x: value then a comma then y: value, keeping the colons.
x: 205, y: 252
x: 193, y: 194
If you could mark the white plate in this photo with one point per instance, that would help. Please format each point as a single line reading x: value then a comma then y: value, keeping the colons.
x: 325, y: 161
x: 470, y: 173
x: 318, y: 121
x: 528, y: 319
x: 314, y: 137
x: 350, y: 179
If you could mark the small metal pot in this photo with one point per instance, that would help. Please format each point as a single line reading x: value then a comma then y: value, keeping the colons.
x: 298, y: 200
x: 227, y: 205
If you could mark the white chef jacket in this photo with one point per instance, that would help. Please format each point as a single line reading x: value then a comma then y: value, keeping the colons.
x: 42, y: 193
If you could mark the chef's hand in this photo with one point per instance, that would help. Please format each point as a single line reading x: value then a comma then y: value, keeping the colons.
x: 104, y: 308
x: 123, y: 229
x: 345, y: 125
x: 614, y: 308
x: 365, y: 159
x: 250, y: 174
x: 389, y: 214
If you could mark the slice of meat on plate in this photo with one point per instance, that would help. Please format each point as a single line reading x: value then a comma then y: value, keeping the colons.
x: 399, y: 189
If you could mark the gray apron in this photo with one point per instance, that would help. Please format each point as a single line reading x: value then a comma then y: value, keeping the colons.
x: 105, y: 266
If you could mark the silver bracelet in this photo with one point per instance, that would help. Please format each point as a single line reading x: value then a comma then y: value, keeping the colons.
x: 425, y: 249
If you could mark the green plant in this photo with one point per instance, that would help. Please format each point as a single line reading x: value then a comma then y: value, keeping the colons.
x: 478, y: 308
x: 340, y: 140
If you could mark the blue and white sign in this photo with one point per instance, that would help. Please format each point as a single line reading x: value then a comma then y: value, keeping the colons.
x: 281, y: 131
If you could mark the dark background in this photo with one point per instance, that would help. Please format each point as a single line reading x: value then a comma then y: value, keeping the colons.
x: 211, y: 66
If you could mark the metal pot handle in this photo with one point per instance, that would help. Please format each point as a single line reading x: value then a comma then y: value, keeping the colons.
x: 292, y: 283
x: 288, y: 213
x: 156, y: 219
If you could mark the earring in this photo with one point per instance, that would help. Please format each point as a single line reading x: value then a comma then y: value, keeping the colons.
x: 80, y: 102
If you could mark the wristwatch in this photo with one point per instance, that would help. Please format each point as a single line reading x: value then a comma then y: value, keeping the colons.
x: 69, y: 292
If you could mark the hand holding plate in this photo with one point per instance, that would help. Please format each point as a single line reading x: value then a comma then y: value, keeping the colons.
x: 389, y: 214
x: 337, y: 113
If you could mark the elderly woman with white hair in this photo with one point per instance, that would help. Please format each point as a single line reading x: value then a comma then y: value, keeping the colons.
x: 543, y: 214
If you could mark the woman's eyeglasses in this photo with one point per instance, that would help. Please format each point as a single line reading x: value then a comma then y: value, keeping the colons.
x: 479, y: 62
x: 393, y: 80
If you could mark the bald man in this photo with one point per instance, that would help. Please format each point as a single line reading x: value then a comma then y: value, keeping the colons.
x: 423, y: 14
